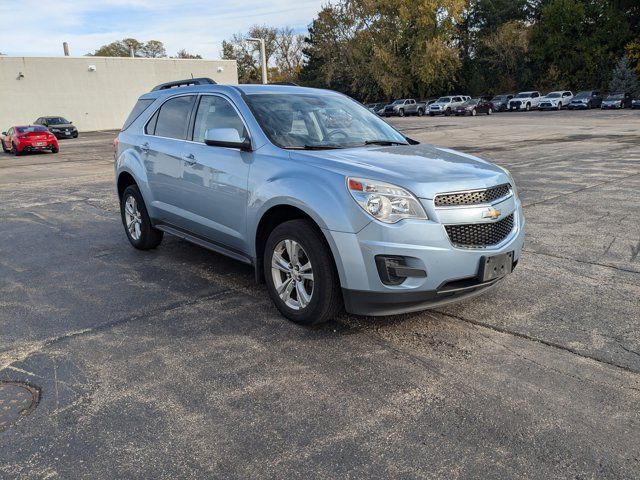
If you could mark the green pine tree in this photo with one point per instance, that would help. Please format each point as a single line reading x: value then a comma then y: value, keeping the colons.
x: 625, y: 79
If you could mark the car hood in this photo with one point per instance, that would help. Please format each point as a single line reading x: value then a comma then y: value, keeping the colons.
x: 62, y: 125
x: 425, y: 170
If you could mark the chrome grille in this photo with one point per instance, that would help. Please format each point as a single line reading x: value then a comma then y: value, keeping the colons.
x: 478, y: 197
x: 480, y: 234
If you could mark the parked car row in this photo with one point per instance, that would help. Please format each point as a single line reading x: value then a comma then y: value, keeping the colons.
x: 43, y: 135
x: 523, y: 101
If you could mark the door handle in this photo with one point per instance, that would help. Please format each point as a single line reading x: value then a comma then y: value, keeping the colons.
x: 145, y: 147
x: 190, y: 159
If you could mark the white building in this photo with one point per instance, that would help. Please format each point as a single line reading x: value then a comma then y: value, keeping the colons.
x: 95, y: 93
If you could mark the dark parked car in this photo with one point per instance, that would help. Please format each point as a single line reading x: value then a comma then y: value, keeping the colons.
x: 475, y: 106
x: 616, y: 101
x: 500, y: 102
x: 635, y: 103
x: 59, y: 126
x: 586, y: 99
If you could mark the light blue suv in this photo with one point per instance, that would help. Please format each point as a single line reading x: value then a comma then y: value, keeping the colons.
x: 333, y: 207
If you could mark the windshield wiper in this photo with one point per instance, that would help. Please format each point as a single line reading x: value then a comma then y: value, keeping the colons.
x: 317, y: 147
x: 384, y: 142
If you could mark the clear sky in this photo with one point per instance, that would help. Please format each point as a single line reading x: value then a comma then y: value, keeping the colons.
x: 34, y: 28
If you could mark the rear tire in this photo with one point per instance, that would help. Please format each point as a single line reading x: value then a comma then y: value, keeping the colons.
x: 15, y: 150
x: 294, y: 251
x: 135, y: 219
x: 55, y: 150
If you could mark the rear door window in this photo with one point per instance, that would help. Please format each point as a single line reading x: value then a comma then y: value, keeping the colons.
x: 173, y: 118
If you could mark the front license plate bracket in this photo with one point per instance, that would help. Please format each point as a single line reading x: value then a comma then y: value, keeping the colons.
x: 495, y: 266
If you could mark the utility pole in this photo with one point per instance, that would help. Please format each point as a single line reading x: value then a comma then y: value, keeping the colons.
x: 65, y: 48
x: 263, y: 57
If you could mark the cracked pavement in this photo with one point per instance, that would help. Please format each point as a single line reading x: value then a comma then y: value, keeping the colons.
x: 174, y: 363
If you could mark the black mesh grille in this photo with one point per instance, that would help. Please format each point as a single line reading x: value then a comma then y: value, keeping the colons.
x: 480, y: 234
x: 472, y: 198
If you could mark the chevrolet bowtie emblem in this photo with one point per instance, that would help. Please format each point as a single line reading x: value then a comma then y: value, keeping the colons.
x: 491, y: 213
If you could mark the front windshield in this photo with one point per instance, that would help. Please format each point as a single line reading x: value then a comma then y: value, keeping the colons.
x: 615, y: 96
x: 498, y: 98
x: 472, y: 101
x: 523, y: 95
x: 554, y: 95
x: 297, y: 120
x: 398, y: 102
x: 444, y: 100
x: 583, y: 95
x: 57, y: 121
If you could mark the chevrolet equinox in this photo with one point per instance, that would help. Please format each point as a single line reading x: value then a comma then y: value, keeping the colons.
x: 333, y: 207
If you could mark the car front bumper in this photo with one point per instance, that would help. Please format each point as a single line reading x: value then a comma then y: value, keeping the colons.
x: 452, y: 273
x: 64, y: 134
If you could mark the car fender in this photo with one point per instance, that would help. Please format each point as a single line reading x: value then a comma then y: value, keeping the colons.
x: 324, y: 198
x: 129, y: 161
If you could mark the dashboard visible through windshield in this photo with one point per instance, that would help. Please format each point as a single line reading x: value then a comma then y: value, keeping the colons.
x: 302, y: 121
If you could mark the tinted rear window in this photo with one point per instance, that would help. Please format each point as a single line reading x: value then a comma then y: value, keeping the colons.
x: 173, y: 118
x: 31, y: 129
x: 140, y: 106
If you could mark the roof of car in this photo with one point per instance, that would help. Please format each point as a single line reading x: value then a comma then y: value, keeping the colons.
x: 244, y: 89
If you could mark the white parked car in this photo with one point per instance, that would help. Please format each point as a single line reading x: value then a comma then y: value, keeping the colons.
x: 446, y: 105
x: 556, y: 100
x: 525, y: 101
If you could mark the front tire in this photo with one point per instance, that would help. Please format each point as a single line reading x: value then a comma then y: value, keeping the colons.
x: 4, y: 149
x: 14, y: 150
x: 420, y: 112
x: 300, y: 273
x: 447, y: 112
x: 528, y: 107
x: 137, y: 224
x: 401, y: 113
x: 490, y: 111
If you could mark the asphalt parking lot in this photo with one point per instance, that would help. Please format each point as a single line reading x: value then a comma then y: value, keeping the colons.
x: 174, y: 363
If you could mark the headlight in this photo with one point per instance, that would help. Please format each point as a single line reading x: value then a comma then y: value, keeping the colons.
x: 384, y: 201
x: 511, y: 181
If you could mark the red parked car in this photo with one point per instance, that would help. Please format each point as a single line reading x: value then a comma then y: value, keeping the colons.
x: 28, y: 138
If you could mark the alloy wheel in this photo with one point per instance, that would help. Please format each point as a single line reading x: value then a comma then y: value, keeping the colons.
x: 292, y: 274
x: 133, y: 218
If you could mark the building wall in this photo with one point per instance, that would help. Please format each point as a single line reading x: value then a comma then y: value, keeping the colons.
x: 92, y: 100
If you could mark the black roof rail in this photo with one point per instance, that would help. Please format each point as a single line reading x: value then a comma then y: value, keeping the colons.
x: 184, y: 83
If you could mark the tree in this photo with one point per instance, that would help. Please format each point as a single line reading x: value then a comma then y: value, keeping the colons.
x: 633, y: 52
x: 182, y: 53
x: 389, y: 48
x: 576, y: 43
x: 283, y: 53
x: 125, y: 47
x: 153, y: 49
x: 508, y: 49
x: 624, y: 78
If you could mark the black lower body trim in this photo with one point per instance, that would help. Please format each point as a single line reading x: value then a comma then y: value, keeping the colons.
x: 362, y: 302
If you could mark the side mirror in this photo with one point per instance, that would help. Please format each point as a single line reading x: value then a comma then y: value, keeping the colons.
x: 70, y: 123
x: 4, y: 133
x: 226, y: 137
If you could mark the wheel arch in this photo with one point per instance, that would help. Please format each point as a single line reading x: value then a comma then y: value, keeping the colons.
x: 276, y: 215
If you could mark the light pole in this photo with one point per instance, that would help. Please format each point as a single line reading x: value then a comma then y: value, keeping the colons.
x: 263, y: 57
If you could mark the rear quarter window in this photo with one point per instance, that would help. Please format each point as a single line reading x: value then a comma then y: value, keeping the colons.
x: 140, y: 106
